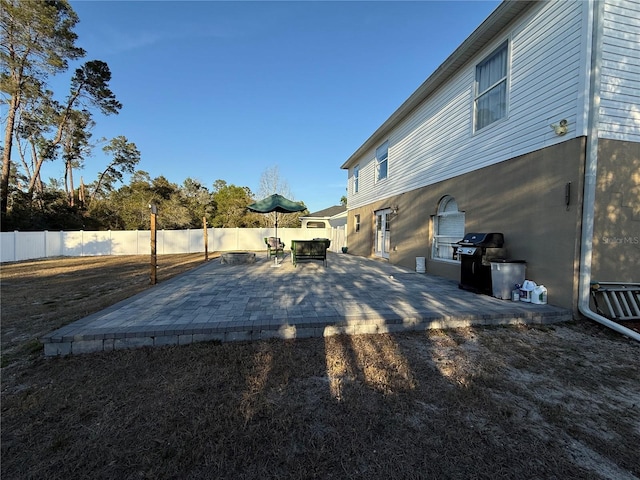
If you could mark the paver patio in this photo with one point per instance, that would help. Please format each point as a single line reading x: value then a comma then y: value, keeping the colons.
x: 351, y: 295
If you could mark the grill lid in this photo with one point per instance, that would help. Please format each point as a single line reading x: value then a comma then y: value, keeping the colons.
x: 486, y: 240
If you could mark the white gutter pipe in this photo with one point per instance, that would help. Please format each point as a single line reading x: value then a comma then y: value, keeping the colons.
x: 590, y: 175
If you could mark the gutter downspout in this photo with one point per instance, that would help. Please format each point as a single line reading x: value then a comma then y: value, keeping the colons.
x: 590, y: 176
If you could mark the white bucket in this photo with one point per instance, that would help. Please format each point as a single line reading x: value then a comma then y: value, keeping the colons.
x: 421, y: 265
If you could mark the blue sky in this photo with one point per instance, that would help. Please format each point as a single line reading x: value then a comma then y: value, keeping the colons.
x: 225, y: 90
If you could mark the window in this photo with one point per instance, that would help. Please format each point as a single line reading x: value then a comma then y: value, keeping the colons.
x: 356, y: 220
x: 448, y: 227
x: 356, y: 178
x: 316, y: 224
x: 382, y: 155
x: 491, y: 88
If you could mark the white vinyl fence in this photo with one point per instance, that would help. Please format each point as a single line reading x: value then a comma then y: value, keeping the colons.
x: 16, y: 246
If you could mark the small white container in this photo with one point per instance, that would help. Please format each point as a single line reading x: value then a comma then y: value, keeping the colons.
x: 539, y: 295
x: 526, y: 290
x: 421, y: 264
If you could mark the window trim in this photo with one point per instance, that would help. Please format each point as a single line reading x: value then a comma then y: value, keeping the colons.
x: 384, y: 145
x: 356, y: 222
x: 506, y: 46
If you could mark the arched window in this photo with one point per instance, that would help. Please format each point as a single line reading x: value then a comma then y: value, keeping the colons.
x: 448, y: 228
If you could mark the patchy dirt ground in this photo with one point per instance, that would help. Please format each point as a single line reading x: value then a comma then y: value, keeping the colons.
x: 41, y: 295
x: 558, y: 401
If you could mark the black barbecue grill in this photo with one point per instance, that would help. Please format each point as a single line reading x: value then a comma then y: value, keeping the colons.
x: 475, y: 251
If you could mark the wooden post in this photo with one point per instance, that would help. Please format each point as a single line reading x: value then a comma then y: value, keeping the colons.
x: 206, y: 239
x: 154, y: 265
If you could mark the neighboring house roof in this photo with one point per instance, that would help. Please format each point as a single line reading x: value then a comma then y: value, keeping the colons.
x: 327, y: 212
x: 501, y: 17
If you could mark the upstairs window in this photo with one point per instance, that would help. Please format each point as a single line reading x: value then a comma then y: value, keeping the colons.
x: 491, y: 88
x: 382, y: 156
x: 356, y: 178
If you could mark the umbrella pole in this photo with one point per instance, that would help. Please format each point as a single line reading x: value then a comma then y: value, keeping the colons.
x: 275, y: 260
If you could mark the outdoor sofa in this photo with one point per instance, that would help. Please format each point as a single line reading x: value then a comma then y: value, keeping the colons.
x: 315, y: 249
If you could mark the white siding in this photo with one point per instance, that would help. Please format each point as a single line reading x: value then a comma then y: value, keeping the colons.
x: 546, y: 80
x: 620, y: 90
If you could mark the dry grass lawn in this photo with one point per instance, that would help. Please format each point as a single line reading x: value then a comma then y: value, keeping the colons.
x: 558, y: 401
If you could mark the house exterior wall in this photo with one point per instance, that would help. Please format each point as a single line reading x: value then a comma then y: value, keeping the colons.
x: 524, y: 198
x: 616, y: 239
x: 512, y: 176
x: 620, y: 77
x: 436, y: 141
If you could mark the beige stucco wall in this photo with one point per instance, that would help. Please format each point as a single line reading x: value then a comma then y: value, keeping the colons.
x: 616, y: 239
x: 524, y: 198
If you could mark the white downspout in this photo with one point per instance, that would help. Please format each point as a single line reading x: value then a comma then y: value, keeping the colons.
x: 590, y: 175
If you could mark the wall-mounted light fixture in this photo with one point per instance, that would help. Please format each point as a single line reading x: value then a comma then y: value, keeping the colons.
x: 394, y: 210
x: 560, y: 128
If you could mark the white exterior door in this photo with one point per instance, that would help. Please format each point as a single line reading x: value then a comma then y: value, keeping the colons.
x: 383, y: 237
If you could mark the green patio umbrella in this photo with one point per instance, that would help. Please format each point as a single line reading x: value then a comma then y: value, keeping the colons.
x: 276, y: 203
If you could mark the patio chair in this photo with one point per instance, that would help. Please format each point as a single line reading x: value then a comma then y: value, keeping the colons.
x: 274, y: 245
